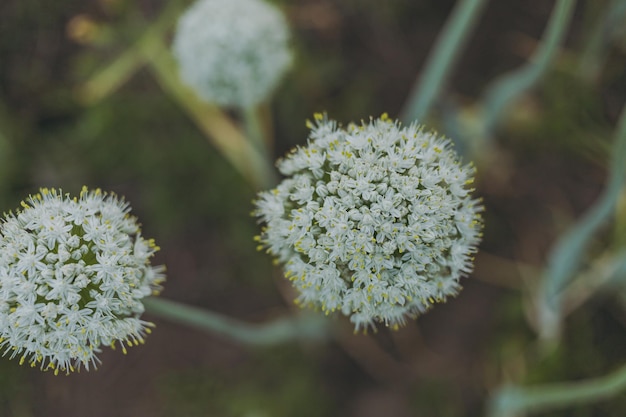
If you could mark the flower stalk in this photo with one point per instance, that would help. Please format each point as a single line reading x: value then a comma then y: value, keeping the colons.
x: 268, y: 334
x: 441, y: 60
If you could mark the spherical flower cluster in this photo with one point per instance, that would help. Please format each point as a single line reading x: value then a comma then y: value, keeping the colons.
x: 73, y: 272
x: 232, y: 52
x: 376, y: 221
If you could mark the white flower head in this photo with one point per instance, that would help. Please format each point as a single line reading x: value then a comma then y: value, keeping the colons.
x: 376, y: 221
x: 232, y: 52
x: 73, y: 272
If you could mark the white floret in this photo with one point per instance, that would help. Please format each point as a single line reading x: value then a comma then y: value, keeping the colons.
x: 376, y: 221
x: 72, y: 276
x: 232, y: 52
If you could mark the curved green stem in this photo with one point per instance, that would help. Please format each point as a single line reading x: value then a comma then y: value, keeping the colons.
x: 273, y: 333
x: 513, y: 401
x: 568, y: 252
x: 507, y: 88
x: 442, y: 58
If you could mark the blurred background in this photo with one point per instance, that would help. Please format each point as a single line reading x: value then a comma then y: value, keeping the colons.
x: 353, y: 59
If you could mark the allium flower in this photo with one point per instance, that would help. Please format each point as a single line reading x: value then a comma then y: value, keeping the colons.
x: 72, y: 276
x: 232, y: 52
x: 376, y: 221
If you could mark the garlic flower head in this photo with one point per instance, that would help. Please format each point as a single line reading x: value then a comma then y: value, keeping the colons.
x: 73, y: 272
x: 376, y: 221
x: 232, y: 52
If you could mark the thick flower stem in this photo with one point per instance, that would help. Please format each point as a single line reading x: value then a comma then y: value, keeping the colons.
x: 268, y: 334
x: 441, y: 60
x: 219, y: 129
x: 256, y: 134
x: 514, y: 401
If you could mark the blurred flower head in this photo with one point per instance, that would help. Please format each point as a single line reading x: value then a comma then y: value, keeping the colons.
x: 376, y: 221
x: 232, y: 52
x: 73, y: 272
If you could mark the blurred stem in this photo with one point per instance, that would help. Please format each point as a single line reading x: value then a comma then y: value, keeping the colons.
x: 594, y: 53
x: 512, y: 401
x: 605, y: 271
x: 568, y: 252
x: 219, y: 129
x: 117, y: 73
x: 256, y: 134
x: 5, y: 129
x: 10, y: 131
x: 441, y: 59
x: 112, y: 77
x: 273, y: 333
x: 503, y: 91
x: 253, y: 127
x: 251, y: 163
x: 619, y: 231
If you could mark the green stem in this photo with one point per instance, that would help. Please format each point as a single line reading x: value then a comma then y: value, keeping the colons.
x: 253, y: 127
x: 251, y: 163
x: 442, y: 58
x: 568, y: 252
x: 507, y: 88
x: 512, y: 401
x: 595, y: 50
x: 216, y: 125
x: 118, y: 72
x: 256, y: 135
x: 273, y: 333
x: 6, y: 129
